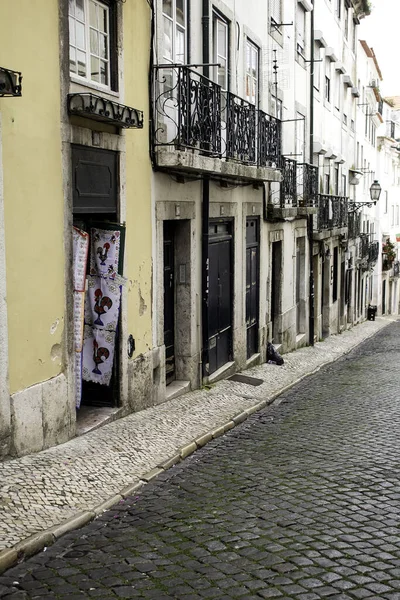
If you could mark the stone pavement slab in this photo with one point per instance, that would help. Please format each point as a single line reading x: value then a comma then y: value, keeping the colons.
x: 44, y: 495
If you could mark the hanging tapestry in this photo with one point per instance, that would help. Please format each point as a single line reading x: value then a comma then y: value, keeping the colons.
x: 103, y: 299
x: 80, y: 256
x: 80, y: 248
x: 104, y: 251
x: 98, y: 355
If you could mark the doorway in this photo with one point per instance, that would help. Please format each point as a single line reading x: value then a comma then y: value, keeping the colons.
x: 252, y: 284
x: 95, y: 205
x: 384, y: 297
x: 276, y: 289
x: 220, y: 294
x: 169, y: 300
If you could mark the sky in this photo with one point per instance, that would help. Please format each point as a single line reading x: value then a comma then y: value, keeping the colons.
x: 381, y: 32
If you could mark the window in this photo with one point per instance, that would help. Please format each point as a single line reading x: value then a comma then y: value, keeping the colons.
x: 327, y: 88
x: 300, y: 126
x: 90, y: 41
x: 344, y: 119
x: 338, y: 8
x: 317, y: 69
x: 252, y: 65
x: 276, y: 108
x: 344, y: 185
x: 386, y: 202
x: 338, y: 90
x: 174, y: 24
x: 326, y: 183
x: 276, y: 11
x: 220, y: 47
x: 346, y: 23
x: 336, y: 173
x: 352, y: 125
x: 301, y: 30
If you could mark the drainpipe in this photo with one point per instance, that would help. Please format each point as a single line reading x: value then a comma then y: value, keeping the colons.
x: 205, y: 209
x: 311, y: 326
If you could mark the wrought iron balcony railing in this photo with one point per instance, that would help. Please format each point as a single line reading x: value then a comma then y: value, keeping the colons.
x: 288, y: 192
x: 332, y: 212
x: 396, y: 268
x: 192, y: 112
x: 354, y: 225
x: 307, y: 185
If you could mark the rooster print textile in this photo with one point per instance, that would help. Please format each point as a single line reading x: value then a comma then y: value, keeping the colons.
x: 80, y: 250
x: 98, y: 354
x: 80, y: 255
x: 104, y: 251
x: 103, y: 301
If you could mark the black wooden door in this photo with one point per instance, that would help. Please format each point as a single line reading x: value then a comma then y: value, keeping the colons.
x: 169, y: 301
x: 220, y: 296
x: 252, y: 284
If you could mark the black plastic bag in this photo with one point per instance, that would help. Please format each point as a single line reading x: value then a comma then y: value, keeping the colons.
x: 273, y: 356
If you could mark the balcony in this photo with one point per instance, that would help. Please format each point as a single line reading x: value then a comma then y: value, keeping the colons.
x: 373, y: 253
x: 331, y: 218
x: 298, y: 191
x: 396, y: 269
x: 199, y: 128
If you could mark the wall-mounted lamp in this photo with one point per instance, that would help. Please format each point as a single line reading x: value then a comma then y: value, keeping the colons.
x: 374, y: 192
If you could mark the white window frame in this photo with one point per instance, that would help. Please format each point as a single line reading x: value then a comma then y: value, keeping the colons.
x: 219, y: 55
x: 176, y: 27
x: 276, y: 11
x: 87, y: 49
x: 252, y: 77
x: 300, y: 124
x: 301, y: 30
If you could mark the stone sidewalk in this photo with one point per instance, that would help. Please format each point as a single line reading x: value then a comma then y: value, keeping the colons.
x: 44, y: 495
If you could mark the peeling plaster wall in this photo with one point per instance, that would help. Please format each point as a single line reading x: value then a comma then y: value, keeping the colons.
x: 33, y: 201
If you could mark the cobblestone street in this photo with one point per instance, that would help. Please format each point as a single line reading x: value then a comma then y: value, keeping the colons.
x: 300, y: 501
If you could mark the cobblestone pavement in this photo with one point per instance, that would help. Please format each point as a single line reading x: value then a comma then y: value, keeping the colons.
x: 43, y: 490
x: 301, y: 502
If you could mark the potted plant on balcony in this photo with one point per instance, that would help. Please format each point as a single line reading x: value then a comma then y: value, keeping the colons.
x: 389, y: 254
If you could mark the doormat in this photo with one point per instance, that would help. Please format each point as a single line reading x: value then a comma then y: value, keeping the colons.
x: 246, y: 379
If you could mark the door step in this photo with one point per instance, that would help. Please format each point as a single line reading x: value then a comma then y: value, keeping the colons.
x: 176, y: 388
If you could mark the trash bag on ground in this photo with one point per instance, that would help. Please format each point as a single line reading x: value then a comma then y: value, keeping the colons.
x: 273, y: 356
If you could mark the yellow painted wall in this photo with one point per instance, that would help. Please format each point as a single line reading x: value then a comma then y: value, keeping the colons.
x: 138, y: 174
x: 33, y: 194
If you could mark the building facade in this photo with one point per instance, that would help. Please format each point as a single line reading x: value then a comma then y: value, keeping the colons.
x: 202, y: 173
x: 74, y: 152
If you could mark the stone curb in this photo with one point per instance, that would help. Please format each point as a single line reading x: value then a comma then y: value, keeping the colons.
x: 35, y: 543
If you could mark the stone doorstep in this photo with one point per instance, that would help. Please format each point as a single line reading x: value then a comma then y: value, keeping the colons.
x: 35, y: 543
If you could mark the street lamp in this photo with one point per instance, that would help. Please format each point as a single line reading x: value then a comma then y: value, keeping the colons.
x: 374, y: 192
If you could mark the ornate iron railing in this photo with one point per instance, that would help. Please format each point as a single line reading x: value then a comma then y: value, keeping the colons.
x: 332, y: 212
x: 396, y: 268
x: 102, y: 109
x: 187, y: 110
x: 307, y: 185
x: 269, y: 140
x: 288, y: 193
x: 354, y: 225
x: 192, y: 112
x: 10, y: 83
x: 241, y: 130
x: 363, y: 246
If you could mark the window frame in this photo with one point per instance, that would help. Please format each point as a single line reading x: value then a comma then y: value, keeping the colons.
x: 251, y: 47
x: 175, y: 27
x: 218, y: 18
x: 327, y: 88
x: 112, y: 54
